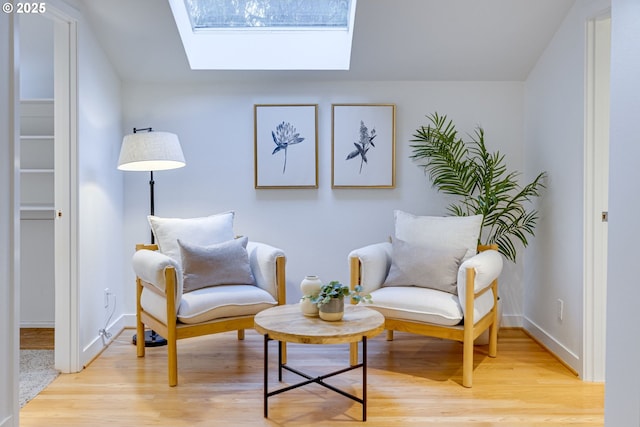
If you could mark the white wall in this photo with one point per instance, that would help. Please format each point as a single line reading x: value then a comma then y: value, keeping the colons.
x: 315, y: 228
x: 622, y: 396
x: 554, y: 141
x: 9, y: 231
x: 100, y: 210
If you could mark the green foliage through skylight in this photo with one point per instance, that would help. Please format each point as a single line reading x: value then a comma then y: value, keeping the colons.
x: 268, y: 13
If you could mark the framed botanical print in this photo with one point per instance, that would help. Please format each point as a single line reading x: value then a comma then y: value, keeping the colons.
x: 286, y: 146
x: 363, y: 145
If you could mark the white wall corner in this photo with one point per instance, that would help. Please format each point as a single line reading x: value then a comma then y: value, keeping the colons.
x: 511, y: 321
x: 554, y: 346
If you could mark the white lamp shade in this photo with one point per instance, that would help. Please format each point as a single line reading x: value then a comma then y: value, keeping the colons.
x: 150, y: 151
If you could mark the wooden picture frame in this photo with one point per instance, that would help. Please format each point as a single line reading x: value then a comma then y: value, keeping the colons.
x: 363, y: 145
x: 285, y: 145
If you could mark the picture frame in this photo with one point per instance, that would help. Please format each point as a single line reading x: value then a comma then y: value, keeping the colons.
x: 285, y: 145
x: 363, y: 145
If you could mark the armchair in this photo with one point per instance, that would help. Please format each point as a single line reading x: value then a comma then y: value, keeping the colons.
x: 217, y: 284
x: 440, y: 288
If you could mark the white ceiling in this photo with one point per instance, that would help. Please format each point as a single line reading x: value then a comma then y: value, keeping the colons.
x: 466, y: 40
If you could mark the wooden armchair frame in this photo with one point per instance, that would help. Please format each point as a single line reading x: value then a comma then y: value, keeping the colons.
x: 465, y: 333
x: 174, y: 330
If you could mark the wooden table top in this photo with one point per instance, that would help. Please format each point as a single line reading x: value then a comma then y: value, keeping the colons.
x: 287, y: 323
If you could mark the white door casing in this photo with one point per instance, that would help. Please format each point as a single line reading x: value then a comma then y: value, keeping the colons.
x: 596, y: 196
x: 67, y: 342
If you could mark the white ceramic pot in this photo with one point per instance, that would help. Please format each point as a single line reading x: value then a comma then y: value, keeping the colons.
x: 308, y: 308
x: 310, y: 285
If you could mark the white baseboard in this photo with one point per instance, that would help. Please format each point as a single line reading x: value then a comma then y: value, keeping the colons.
x: 39, y: 324
x: 511, y: 321
x: 98, y: 343
x: 129, y: 320
x: 568, y: 357
x: 7, y: 422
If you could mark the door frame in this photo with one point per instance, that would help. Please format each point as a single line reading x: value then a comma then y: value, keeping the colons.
x: 10, y: 220
x: 596, y: 196
x: 67, y: 333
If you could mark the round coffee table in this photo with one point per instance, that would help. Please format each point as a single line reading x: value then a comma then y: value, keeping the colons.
x: 286, y: 323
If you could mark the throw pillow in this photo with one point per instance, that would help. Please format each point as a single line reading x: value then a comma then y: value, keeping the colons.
x: 225, y: 263
x: 446, y: 233
x: 199, y: 231
x: 424, y: 266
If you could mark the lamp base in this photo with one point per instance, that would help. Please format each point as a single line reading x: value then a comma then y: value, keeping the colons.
x: 151, y: 339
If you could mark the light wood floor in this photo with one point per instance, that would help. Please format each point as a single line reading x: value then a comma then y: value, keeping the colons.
x: 413, y: 381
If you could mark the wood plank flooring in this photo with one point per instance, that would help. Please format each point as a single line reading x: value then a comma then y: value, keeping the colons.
x: 36, y: 338
x: 412, y: 381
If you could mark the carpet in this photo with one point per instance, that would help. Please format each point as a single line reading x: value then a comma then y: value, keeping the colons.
x: 36, y: 373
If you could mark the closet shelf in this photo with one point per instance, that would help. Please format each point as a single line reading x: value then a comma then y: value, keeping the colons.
x: 36, y: 137
x: 37, y: 212
x: 36, y: 170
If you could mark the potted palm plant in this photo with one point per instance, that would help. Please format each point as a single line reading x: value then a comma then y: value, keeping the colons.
x: 482, y: 184
x: 481, y: 181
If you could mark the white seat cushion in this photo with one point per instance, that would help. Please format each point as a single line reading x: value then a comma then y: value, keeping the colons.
x: 425, y: 305
x: 418, y: 304
x: 222, y: 301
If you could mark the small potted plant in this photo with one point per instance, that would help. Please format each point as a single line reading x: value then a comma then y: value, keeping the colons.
x: 330, y: 299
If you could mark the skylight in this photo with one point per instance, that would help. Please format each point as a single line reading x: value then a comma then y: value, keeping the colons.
x: 268, y: 13
x: 266, y: 34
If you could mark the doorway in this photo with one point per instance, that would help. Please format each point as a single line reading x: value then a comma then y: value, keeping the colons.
x: 37, y: 135
x: 59, y: 203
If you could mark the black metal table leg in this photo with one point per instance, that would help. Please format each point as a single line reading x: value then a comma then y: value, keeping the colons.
x: 285, y: 324
x: 318, y: 380
x: 280, y: 361
x: 266, y: 376
x: 364, y: 378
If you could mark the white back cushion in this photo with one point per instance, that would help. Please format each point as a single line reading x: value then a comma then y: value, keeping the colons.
x: 447, y: 233
x: 201, y: 231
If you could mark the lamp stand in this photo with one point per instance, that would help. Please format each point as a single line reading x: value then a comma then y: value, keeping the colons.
x: 151, y: 337
x: 151, y: 202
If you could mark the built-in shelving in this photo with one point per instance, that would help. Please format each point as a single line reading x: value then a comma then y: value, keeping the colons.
x: 37, y: 159
x: 37, y: 214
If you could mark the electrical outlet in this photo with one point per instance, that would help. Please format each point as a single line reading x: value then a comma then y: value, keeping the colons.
x: 560, y: 309
x: 107, y: 292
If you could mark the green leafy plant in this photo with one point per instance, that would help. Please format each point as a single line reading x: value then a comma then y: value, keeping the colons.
x: 482, y: 182
x: 335, y: 289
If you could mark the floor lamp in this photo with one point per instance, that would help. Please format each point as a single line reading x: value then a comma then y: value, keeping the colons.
x: 145, y: 150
